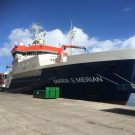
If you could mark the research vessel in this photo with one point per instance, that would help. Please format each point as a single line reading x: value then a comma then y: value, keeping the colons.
x: 102, y: 76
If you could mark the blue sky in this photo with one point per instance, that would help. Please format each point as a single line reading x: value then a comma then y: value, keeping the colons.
x: 103, y: 19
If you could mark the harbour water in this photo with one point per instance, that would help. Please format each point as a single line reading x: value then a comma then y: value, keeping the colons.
x: 131, y: 101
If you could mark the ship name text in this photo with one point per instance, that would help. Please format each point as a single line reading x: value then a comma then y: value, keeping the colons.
x: 78, y: 80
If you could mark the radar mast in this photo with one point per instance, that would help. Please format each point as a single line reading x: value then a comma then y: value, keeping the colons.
x: 38, y: 34
x: 71, y: 35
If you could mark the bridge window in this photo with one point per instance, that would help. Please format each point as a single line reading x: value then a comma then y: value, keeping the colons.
x: 5, y: 76
x: 33, y: 53
x: 22, y: 53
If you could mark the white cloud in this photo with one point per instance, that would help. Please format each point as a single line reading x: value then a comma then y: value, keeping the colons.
x: 57, y: 37
x: 20, y: 35
x: 127, y: 9
x: 5, y: 50
x: 16, y: 35
x: 129, y: 43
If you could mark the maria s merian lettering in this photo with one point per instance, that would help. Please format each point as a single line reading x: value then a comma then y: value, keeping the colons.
x: 78, y: 80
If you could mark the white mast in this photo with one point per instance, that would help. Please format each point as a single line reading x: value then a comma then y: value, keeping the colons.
x: 38, y: 33
x: 71, y: 36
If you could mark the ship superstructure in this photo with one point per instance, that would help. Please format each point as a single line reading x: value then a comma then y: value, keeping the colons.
x: 103, y: 76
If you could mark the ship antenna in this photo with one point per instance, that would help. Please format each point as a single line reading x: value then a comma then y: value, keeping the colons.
x: 71, y: 34
x: 37, y: 32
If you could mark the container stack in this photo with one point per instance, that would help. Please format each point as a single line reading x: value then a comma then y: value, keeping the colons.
x: 47, y: 93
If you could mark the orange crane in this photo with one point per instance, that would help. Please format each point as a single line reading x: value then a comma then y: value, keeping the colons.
x: 64, y: 47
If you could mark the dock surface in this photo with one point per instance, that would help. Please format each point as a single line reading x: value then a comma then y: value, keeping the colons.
x: 25, y: 115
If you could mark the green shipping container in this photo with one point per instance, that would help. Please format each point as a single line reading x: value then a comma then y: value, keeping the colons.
x: 52, y: 92
x: 39, y: 94
x: 49, y: 92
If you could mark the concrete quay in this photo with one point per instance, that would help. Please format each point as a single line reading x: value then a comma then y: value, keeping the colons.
x: 25, y: 115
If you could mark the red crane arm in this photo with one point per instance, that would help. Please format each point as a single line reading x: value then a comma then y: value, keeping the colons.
x: 63, y: 47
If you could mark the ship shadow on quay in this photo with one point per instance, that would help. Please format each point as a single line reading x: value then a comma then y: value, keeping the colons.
x: 120, y: 111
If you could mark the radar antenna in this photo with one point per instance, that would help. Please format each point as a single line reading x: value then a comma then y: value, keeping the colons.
x: 38, y: 34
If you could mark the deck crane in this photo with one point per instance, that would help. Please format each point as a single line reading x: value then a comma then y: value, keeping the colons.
x: 64, y: 47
